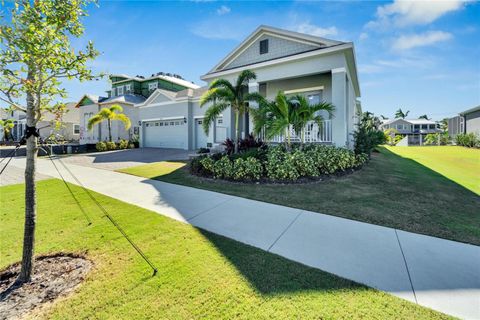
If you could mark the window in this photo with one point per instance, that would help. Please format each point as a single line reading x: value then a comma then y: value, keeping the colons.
x: 219, y: 121
x: 76, y: 129
x: 156, y: 124
x: 399, y: 126
x: 152, y: 86
x: 113, y: 92
x: 424, y: 126
x: 313, y: 98
x: 161, y: 124
x: 120, y: 90
x: 128, y: 88
x: 431, y: 126
x: 172, y: 123
x: 264, y: 46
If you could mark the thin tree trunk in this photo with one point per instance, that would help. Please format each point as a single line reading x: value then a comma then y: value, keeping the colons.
x: 109, y: 130
x: 30, y: 194
x: 237, y: 131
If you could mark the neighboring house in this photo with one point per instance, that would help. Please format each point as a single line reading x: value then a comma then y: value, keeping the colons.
x: 129, y: 93
x: 467, y: 121
x: 415, y: 129
x: 295, y: 63
x: 68, y: 128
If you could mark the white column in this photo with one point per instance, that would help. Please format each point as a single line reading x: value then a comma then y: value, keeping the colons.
x: 253, y: 87
x: 339, y: 100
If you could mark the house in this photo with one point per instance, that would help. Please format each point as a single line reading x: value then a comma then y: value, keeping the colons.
x: 467, y: 121
x: 68, y: 129
x: 128, y: 92
x: 415, y: 129
x: 295, y: 63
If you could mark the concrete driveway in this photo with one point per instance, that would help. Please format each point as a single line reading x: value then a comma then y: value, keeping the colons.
x: 118, y: 159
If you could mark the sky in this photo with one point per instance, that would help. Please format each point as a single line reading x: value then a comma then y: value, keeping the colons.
x: 420, y: 56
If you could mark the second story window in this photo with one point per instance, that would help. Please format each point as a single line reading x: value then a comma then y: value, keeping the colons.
x: 128, y: 88
x: 264, y: 46
x: 152, y: 86
x: 120, y: 90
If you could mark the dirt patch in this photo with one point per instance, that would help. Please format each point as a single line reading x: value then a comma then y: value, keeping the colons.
x: 53, y: 276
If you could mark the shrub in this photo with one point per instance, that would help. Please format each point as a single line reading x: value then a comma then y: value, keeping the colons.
x: 122, y: 144
x: 203, y: 150
x: 280, y: 165
x: 392, y: 137
x: 249, y: 142
x: 305, y: 164
x: 249, y: 169
x: 223, y: 168
x: 367, y: 136
x: 131, y: 146
x: 257, y: 153
x: 101, y: 146
x: 469, y: 140
x: 111, y: 145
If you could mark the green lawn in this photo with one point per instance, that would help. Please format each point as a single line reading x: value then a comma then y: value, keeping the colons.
x: 391, y: 191
x: 459, y: 164
x: 201, y: 275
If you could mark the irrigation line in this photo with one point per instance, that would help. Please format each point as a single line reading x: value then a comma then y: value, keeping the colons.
x: 112, y: 220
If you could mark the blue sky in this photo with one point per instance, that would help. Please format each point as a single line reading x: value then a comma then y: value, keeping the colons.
x: 421, y: 56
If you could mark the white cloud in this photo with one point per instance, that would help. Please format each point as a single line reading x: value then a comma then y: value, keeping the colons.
x: 363, y: 36
x: 223, y: 10
x: 406, y: 42
x: 308, y: 28
x: 406, y: 12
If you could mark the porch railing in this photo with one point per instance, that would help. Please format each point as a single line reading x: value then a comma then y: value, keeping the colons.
x: 312, y: 133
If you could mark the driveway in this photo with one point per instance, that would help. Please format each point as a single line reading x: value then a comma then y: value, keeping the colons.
x: 118, y: 159
x: 436, y: 273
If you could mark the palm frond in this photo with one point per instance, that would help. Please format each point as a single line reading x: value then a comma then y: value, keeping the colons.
x: 96, y: 119
x: 123, y: 118
x: 243, y: 78
x: 116, y: 107
x: 212, y: 113
x: 105, y: 113
x: 222, y: 84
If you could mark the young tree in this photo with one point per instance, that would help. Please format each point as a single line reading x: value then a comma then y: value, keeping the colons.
x: 109, y: 115
x: 35, y: 56
x: 6, y: 125
x: 424, y: 117
x: 400, y: 114
x: 224, y: 94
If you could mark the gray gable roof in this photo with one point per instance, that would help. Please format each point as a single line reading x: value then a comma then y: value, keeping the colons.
x: 126, y: 98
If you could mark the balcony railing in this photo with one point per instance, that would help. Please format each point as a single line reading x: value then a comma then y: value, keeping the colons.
x: 312, y: 133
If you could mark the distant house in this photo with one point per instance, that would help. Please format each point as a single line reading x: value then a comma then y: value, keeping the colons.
x: 128, y: 92
x: 415, y: 129
x: 466, y: 122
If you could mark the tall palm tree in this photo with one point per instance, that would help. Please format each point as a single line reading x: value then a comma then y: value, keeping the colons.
x: 303, y: 113
x: 400, y: 114
x: 424, y: 117
x: 7, y: 126
x: 114, y: 113
x: 223, y: 94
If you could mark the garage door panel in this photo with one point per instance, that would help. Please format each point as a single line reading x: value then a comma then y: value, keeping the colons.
x: 165, y: 134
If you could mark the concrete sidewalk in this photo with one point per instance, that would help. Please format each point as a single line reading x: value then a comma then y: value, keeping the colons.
x: 440, y: 274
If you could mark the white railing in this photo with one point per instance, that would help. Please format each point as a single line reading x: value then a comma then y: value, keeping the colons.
x: 312, y: 133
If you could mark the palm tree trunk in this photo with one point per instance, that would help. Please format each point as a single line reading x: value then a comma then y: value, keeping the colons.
x: 30, y: 194
x: 237, y: 131
x: 109, y: 130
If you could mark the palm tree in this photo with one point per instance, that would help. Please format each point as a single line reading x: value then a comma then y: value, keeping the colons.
x: 275, y: 117
x: 7, y: 125
x: 383, y: 117
x: 400, y: 114
x: 223, y: 94
x: 424, y: 117
x: 109, y: 114
x: 303, y: 113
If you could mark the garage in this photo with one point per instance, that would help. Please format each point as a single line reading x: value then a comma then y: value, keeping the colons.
x: 166, y: 133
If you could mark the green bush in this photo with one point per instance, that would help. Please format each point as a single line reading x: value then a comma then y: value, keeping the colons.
x: 280, y: 164
x: 392, y: 137
x: 131, y: 145
x: 111, y: 145
x: 249, y: 169
x: 122, y: 144
x: 469, y: 140
x: 367, y: 136
x: 101, y: 146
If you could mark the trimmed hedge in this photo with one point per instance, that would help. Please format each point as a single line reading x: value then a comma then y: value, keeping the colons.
x: 278, y: 164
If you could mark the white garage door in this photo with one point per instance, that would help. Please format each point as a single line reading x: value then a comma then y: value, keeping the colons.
x: 165, y: 134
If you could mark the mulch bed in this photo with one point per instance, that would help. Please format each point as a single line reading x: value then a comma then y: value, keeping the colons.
x: 53, y: 276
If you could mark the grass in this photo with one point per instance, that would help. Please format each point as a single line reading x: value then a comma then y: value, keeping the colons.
x: 390, y: 191
x: 201, y: 275
x: 459, y: 164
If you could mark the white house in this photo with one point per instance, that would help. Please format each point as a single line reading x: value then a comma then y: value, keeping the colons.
x: 295, y: 63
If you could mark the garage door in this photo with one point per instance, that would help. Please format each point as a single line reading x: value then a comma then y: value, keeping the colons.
x: 165, y: 134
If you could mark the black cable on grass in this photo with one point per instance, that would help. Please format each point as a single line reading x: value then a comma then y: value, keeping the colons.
x: 112, y: 220
x: 69, y: 189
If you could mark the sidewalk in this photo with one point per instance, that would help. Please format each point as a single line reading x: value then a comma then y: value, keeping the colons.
x: 440, y: 274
